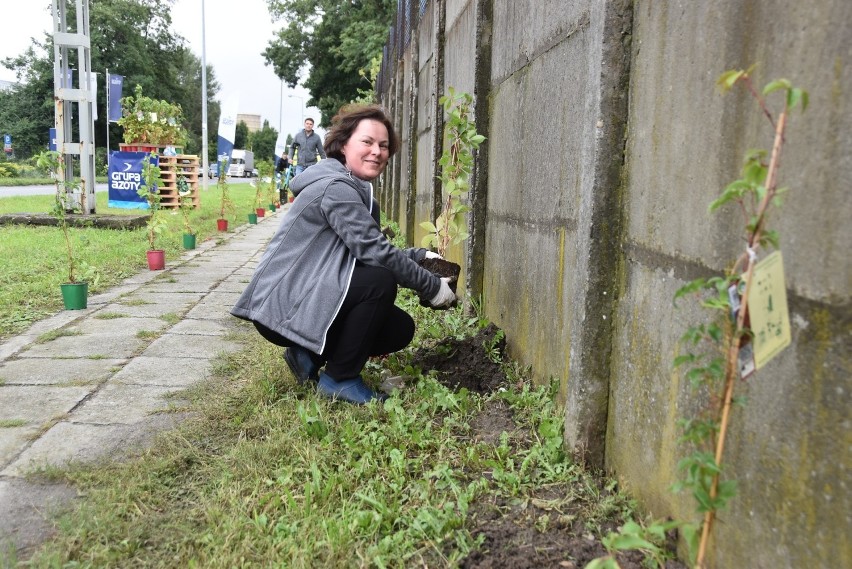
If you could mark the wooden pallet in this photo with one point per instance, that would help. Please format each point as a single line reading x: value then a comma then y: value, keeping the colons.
x: 171, y: 167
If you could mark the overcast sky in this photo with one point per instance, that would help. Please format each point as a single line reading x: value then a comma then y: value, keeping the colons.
x: 236, y: 35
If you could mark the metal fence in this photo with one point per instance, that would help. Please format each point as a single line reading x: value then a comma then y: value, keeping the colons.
x: 408, y: 14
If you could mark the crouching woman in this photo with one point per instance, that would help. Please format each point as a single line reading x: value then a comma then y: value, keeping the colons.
x: 325, y: 286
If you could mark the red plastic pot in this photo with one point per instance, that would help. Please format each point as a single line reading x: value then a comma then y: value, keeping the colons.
x: 222, y: 224
x: 156, y: 259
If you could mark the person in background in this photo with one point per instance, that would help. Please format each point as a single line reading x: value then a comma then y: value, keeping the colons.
x: 326, y: 285
x: 310, y: 147
x: 281, y: 176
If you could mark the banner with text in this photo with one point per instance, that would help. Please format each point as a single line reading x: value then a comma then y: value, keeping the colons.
x: 227, y: 130
x: 125, y: 178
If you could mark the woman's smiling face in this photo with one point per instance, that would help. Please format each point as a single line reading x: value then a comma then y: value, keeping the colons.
x: 366, y: 152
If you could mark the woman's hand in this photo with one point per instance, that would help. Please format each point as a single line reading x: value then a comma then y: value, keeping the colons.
x: 445, y: 297
x: 432, y: 255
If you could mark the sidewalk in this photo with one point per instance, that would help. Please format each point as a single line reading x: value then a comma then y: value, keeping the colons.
x: 100, y: 387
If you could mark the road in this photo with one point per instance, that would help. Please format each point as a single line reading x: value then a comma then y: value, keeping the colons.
x: 45, y: 190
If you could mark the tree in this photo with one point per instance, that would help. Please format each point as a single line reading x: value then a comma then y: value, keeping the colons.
x: 336, y: 39
x: 241, y: 135
x: 27, y: 110
x: 263, y: 142
x: 129, y: 37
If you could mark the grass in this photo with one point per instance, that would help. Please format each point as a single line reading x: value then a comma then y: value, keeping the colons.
x: 35, y: 263
x: 264, y: 474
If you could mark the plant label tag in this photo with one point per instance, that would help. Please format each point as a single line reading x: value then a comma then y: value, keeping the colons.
x: 767, y: 309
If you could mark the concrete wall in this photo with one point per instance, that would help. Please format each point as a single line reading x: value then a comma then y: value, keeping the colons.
x: 606, y: 142
x: 789, y: 448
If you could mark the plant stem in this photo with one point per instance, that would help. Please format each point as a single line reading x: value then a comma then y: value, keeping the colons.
x: 734, y: 346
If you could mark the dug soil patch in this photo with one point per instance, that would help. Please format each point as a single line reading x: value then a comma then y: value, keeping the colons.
x: 547, y: 529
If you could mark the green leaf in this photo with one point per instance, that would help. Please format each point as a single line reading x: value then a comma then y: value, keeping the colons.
x: 727, y: 79
x: 692, y: 535
x: 429, y: 226
x: 689, y: 288
x: 684, y: 359
x: 603, y: 563
x: 775, y: 85
x: 625, y: 542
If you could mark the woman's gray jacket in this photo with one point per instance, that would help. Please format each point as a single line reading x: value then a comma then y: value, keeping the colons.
x: 304, y: 274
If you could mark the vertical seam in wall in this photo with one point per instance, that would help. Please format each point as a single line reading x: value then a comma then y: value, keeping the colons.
x: 606, y: 225
x: 411, y: 204
x: 438, y: 110
x: 479, y: 179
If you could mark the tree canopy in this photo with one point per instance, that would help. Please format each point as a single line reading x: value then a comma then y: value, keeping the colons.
x: 133, y: 38
x: 334, y: 39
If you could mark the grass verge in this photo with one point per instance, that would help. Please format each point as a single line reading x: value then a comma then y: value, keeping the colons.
x: 34, y: 258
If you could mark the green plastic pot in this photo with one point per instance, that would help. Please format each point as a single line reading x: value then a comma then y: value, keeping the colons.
x: 75, y: 296
x: 189, y: 241
x: 252, y: 218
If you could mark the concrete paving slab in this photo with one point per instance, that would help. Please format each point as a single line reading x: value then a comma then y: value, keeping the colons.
x: 46, y: 371
x: 66, y: 443
x: 209, y: 311
x: 163, y: 371
x: 13, y: 440
x: 35, y: 405
x: 120, y: 404
x: 88, y: 345
x: 119, y: 326
x: 237, y: 285
x: 197, y: 328
x: 222, y: 298
x: 177, y: 346
x: 27, y: 510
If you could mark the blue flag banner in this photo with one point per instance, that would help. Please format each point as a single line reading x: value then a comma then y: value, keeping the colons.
x: 51, y: 134
x: 227, y: 131
x: 125, y: 178
x: 116, y: 83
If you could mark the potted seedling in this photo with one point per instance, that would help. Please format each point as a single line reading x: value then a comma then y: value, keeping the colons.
x: 186, y: 204
x: 258, y: 200
x: 450, y: 227
x: 225, y: 205
x: 266, y: 171
x: 150, y: 124
x: 155, y: 225
x: 75, y: 292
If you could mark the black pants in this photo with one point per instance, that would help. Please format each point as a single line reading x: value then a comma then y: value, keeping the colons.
x: 368, y: 324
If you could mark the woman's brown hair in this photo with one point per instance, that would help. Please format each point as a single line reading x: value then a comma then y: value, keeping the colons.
x: 346, y: 121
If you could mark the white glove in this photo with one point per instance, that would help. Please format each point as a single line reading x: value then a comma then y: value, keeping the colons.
x: 431, y: 255
x: 445, y: 296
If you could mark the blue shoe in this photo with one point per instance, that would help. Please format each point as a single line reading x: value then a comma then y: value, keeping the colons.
x: 301, y: 363
x: 351, y: 390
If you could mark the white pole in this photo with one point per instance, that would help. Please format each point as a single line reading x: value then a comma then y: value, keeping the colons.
x: 204, y: 162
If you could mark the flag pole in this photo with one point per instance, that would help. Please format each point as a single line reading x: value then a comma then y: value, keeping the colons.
x: 108, y: 88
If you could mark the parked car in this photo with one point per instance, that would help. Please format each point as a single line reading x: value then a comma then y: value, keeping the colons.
x: 213, y: 170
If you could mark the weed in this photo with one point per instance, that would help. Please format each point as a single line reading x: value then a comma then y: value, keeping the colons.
x: 109, y: 315
x: 54, y: 334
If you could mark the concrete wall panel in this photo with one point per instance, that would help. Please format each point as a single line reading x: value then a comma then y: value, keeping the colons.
x: 789, y: 447
x: 534, y: 193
